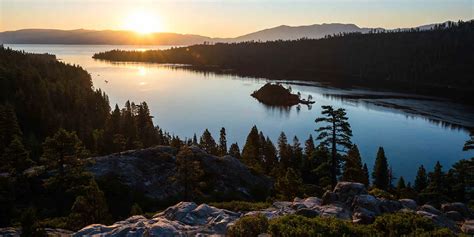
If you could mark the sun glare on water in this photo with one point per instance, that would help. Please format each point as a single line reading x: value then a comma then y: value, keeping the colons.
x: 143, y: 22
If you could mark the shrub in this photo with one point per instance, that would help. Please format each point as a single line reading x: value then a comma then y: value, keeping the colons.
x: 238, y: 206
x: 379, y: 193
x: 293, y: 225
x: 249, y: 226
x: 401, y: 223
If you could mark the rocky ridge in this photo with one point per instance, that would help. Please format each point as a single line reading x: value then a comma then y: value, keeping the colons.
x: 151, y: 171
x: 348, y: 201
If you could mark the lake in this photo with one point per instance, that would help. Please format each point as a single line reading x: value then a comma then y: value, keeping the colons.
x: 184, y: 102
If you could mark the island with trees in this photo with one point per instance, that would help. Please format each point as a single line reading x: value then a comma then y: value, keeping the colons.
x: 276, y: 95
x: 70, y: 164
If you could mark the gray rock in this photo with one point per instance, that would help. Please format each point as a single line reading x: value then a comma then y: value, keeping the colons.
x: 367, y: 202
x: 454, y: 215
x: 329, y: 198
x: 468, y: 227
x: 459, y: 207
x: 306, y: 212
x: 363, y: 216
x: 10, y: 232
x: 312, y: 201
x: 346, y: 191
x: 389, y: 206
x: 16, y: 232
x: 439, y: 220
x: 183, y: 219
x: 430, y: 209
x: 408, y: 203
x: 335, y: 210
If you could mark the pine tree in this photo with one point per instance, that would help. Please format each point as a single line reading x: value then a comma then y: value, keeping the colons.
x: 401, y: 184
x: 353, y: 170
x: 366, y: 179
x: 195, y: 140
x: 144, y: 123
x: 9, y: 127
x: 290, y: 185
x: 16, y: 157
x: 251, y: 151
x: 336, y: 133
x: 208, y: 143
x: 270, y: 154
x: 189, y: 173
x: 461, y: 179
x: 380, y: 175
x: 234, y: 150
x: 421, y: 180
x: 136, y: 210
x: 284, y: 152
x: 309, y: 146
x: 222, y: 148
x: 63, y: 150
x: 469, y: 145
x: 297, y: 156
x: 89, y: 208
x: 437, y: 181
x: 322, y: 170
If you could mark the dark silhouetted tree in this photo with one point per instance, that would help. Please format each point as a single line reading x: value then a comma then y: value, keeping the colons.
x: 289, y: 185
x: 469, y: 145
x: 421, y: 180
x: 284, y: 152
x: 297, y: 156
x: 336, y: 134
x: 251, y: 152
x: 208, y: 143
x: 189, y: 173
x: 16, y: 158
x: 89, y: 208
x: 353, y: 170
x: 380, y: 175
x: 366, y: 179
x: 234, y: 150
x: 136, y: 210
x: 270, y: 156
x: 222, y: 148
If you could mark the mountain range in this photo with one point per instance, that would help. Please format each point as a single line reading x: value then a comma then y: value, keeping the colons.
x: 82, y: 36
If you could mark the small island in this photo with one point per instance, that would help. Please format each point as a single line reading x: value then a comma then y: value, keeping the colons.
x: 277, y: 95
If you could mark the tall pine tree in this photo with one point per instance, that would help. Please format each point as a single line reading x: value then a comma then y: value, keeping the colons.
x: 336, y: 134
x: 421, y: 180
x: 222, y: 148
x: 380, y: 175
x: 208, y: 143
x: 353, y: 170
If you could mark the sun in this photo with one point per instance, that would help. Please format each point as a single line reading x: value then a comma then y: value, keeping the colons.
x: 143, y: 22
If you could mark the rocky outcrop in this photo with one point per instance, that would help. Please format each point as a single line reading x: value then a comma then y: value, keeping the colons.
x: 182, y: 219
x: 348, y: 201
x: 16, y: 232
x: 151, y: 171
x: 468, y: 227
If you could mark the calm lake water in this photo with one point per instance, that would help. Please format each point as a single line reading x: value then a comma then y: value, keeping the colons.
x: 185, y: 102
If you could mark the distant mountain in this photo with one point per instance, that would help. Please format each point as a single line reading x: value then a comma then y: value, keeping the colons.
x: 81, y: 36
x: 315, y: 31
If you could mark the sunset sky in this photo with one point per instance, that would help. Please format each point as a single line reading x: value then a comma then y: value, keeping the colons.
x: 224, y: 18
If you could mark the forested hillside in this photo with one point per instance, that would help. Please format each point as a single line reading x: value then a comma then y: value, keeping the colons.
x: 437, y: 62
x: 39, y: 95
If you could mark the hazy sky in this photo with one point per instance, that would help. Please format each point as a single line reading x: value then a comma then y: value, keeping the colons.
x: 227, y: 18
